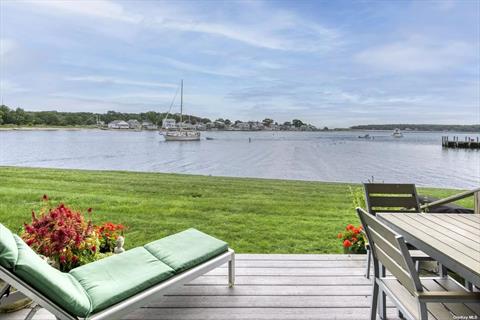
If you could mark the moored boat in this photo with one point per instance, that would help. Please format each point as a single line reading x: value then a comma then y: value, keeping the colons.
x: 397, y: 133
x: 178, y: 132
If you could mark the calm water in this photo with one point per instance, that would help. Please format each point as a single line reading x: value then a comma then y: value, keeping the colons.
x: 325, y: 156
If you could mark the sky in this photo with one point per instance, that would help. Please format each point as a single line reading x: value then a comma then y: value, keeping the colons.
x: 329, y: 63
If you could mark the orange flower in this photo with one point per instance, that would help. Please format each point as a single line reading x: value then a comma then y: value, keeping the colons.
x: 339, y: 235
x: 347, y: 243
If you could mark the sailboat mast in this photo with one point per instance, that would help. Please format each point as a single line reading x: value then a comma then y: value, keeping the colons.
x: 181, y: 103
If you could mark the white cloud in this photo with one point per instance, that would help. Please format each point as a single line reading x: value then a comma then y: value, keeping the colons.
x: 416, y: 55
x: 224, y: 72
x: 264, y: 26
x: 112, y: 80
x: 97, y: 8
x: 297, y: 35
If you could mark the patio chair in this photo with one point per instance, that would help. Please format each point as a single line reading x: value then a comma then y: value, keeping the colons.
x: 114, y: 286
x: 416, y: 298
x: 389, y: 197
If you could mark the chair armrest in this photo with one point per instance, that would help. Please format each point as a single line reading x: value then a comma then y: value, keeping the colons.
x: 453, y: 198
x: 449, y: 296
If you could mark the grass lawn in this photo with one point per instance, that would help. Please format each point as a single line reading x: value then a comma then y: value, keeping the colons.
x: 252, y: 215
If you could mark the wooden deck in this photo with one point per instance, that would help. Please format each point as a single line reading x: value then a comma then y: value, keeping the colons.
x: 268, y: 287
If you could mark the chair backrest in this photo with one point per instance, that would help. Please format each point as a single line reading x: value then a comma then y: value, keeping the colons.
x: 390, y: 197
x: 391, y: 251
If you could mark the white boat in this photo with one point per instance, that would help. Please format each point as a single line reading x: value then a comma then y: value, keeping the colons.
x: 397, y: 133
x: 179, y: 132
x: 182, y: 135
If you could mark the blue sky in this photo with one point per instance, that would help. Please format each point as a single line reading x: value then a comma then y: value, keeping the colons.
x: 333, y: 63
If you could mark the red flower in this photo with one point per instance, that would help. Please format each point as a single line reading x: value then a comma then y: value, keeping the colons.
x: 347, y: 243
x: 356, y: 231
x: 350, y: 227
x: 74, y: 259
x: 94, y: 248
x: 354, y: 239
x: 339, y: 235
x: 89, y: 210
x: 62, y: 259
x: 45, y: 197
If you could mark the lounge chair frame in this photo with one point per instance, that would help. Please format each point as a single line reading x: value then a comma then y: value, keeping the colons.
x: 130, y: 304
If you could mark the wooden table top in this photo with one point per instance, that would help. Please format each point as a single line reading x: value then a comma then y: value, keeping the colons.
x: 451, y: 239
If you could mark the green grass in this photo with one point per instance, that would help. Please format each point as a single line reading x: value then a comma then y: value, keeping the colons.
x: 252, y: 215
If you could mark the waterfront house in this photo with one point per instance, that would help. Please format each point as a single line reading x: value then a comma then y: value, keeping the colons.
x: 201, y: 127
x: 118, y: 124
x: 169, y: 123
x: 134, y: 124
x: 147, y: 125
x: 243, y: 126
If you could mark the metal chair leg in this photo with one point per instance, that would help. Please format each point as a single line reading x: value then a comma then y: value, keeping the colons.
x: 443, y: 271
x: 382, y: 298
x: 369, y: 262
x: 231, y: 272
x: 468, y: 285
x: 373, y: 310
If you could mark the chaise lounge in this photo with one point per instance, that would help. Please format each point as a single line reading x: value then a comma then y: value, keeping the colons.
x: 117, y: 285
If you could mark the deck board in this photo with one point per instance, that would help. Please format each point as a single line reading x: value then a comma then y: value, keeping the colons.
x: 268, y: 287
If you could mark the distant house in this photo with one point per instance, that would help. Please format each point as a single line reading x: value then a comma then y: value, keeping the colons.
x: 118, y: 124
x: 243, y: 125
x: 147, y: 125
x: 134, y: 124
x: 169, y: 123
x: 256, y: 125
x: 201, y: 126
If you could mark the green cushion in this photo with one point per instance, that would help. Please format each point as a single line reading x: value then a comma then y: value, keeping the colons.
x: 186, y: 249
x: 118, y: 277
x: 60, y: 287
x: 8, y: 248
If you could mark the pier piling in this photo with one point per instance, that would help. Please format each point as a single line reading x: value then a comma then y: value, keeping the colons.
x: 468, y: 143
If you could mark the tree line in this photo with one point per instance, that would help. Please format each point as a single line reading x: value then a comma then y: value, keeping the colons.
x: 20, y: 117
x: 420, y: 127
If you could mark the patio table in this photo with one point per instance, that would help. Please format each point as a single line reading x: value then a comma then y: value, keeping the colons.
x: 451, y: 239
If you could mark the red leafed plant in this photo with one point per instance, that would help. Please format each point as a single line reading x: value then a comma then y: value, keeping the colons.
x: 64, y: 236
x: 353, y: 240
x: 108, y: 234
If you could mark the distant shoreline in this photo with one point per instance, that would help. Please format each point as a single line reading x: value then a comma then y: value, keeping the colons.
x: 80, y: 128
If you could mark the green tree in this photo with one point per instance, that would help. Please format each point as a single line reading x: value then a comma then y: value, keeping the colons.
x: 267, y: 122
x: 297, y: 123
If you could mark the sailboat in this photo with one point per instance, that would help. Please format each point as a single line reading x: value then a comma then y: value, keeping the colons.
x: 179, y: 132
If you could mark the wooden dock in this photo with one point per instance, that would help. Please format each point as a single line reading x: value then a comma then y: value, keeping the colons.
x: 268, y: 286
x: 455, y: 142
